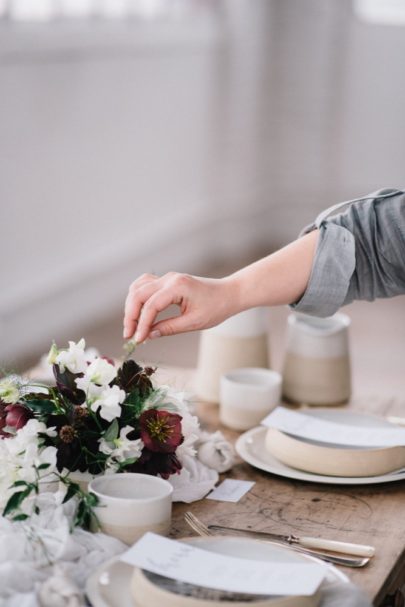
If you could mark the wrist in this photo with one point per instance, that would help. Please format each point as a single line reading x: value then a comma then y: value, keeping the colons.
x: 234, y: 294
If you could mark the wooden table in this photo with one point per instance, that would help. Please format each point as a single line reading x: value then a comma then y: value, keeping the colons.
x: 371, y: 514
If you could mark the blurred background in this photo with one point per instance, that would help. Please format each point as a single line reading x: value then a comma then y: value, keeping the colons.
x: 191, y: 135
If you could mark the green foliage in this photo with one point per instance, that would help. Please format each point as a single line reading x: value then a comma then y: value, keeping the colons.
x: 112, y: 431
x: 127, y: 462
x: 132, y: 407
x: 41, y: 406
x: 16, y: 499
x: 84, y: 516
x: 20, y: 517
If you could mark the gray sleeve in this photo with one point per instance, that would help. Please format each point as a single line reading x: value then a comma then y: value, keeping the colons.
x: 360, y: 255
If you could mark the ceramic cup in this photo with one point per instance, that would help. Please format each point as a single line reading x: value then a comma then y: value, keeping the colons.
x: 131, y: 504
x: 247, y: 396
x: 240, y: 341
x: 317, y: 363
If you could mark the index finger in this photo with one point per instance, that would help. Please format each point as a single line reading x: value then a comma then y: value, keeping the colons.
x: 139, y: 292
x: 158, y: 302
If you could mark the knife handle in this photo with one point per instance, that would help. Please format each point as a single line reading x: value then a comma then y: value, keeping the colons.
x: 334, y: 546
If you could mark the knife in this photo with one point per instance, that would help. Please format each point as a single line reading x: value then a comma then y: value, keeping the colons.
x: 307, y: 542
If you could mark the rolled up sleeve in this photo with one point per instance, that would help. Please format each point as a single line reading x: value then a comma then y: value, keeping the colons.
x: 360, y: 255
x: 331, y: 272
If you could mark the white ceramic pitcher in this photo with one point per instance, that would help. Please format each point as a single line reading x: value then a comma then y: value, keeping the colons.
x: 240, y: 341
x: 317, y: 362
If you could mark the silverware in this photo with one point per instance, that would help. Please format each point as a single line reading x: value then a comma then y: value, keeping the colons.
x: 305, y: 542
x: 346, y: 561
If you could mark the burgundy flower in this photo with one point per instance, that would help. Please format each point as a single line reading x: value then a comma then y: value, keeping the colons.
x: 17, y: 416
x: 109, y: 360
x: 3, y: 423
x: 161, y: 430
x: 156, y: 464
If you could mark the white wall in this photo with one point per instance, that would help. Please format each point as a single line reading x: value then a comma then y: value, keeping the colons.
x: 107, y: 144
x: 127, y: 148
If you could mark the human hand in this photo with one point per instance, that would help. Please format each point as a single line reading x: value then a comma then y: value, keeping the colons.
x: 203, y: 303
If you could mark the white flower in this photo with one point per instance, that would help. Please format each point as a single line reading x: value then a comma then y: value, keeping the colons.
x: 9, y: 390
x: 122, y: 448
x: 27, y: 435
x: 33, y: 457
x: 190, y: 429
x: 21, y: 454
x: 98, y: 375
x: 74, y: 358
x: 109, y: 403
x: 167, y: 398
x: 91, y: 390
x: 100, y: 372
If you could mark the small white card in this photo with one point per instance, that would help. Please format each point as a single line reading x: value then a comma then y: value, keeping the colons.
x: 230, y: 490
x: 310, y: 427
x: 181, y: 561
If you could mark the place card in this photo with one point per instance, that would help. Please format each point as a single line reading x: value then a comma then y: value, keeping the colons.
x: 336, y: 433
x: 186, y: 563
x: 230, y: 490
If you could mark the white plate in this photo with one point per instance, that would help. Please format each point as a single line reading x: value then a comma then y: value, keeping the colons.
x: 356, y: 419
x: 109, y: 586
x: 250, y: 446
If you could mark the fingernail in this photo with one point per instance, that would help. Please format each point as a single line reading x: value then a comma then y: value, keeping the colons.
x: 155, y: 334
x: 125, y: 334
x: 137, y: 335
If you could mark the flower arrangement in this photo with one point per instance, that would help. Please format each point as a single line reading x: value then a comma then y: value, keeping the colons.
x: 97, y: 418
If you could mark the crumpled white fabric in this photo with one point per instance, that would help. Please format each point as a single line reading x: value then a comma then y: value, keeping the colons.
x: 59, y: 590
x: 41, y: 556
x: 215, y: 451
x: 199, y: 474
x: 194, y: 481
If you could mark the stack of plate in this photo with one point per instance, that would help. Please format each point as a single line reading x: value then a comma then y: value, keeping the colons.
x: 285, y: 455
x: 117, y: 584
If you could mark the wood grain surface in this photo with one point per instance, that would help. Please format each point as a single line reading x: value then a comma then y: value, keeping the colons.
x: 371, y: 514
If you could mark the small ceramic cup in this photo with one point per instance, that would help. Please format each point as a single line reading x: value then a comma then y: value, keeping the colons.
x: 247, y: 395
x: 131, y: 504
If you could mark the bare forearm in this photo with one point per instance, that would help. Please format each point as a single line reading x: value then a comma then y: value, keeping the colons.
x: 280, y: 278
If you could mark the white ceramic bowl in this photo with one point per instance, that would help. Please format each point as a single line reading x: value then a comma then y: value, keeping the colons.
x: 131, y: 504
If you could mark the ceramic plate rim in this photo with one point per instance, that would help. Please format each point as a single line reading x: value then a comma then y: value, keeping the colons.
x: 273, y: 466
x: 96, y: 599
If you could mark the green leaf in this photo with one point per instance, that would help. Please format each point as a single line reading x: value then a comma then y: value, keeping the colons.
x: 92, y: 499
x: 127, y: 462
x: 20, y: 484
x: 112, y: 432
x: 71, y: 492
x: 20, y: 517
x: 133, y: 406
x: 41, y: 405
x: 43, y: 466
x: 15, y: 501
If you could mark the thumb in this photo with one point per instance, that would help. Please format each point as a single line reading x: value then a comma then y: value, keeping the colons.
x: 173, y: 325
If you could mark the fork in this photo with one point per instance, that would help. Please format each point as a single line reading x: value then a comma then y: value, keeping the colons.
x: 346, y: 561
